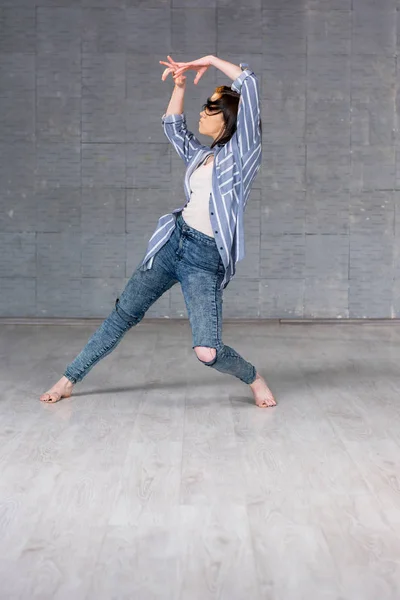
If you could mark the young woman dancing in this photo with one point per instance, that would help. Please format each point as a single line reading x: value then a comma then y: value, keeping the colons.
x: 198, y: 244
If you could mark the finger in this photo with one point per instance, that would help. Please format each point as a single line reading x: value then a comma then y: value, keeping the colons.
x: 165, y: 74
x: 200, y: 75
x: 182, y: 69
x: 171, y: 60
x: 193, y: 64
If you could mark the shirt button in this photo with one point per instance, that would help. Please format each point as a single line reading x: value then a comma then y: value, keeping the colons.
x: 216, y: 232
x: 221, y: 248
x: 212, y: 213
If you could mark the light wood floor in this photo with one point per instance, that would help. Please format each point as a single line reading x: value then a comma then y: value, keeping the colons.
x: 159, y: 478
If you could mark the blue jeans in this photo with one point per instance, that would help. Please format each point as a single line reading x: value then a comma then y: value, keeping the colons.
x: 191, y: 258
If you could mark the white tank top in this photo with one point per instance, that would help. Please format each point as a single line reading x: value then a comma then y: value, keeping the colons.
x: 197, y: 212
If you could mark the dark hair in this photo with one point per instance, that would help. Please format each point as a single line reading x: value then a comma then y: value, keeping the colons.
x: 228, y: 104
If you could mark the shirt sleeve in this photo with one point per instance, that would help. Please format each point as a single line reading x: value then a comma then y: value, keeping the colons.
x: 249, y: 112
x: 185, y: 142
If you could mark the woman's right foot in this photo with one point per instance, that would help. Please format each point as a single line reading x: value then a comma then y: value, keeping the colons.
x: 262, y: 394
x: 62, y: 389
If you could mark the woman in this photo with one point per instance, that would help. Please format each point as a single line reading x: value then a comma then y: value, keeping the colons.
x: 198, y: 244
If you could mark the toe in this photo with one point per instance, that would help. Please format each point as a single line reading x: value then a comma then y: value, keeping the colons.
x: 266, y: 403
x: 55, y: 397
x: 50, y: 397
x: 262, y: 404
x: 270, y: 399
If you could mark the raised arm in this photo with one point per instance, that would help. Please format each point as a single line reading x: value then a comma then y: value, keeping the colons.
x: 248, y: 120
x: 174, y: 123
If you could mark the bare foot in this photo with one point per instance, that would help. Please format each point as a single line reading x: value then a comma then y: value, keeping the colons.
x: 262, y: 394
x: 62, y: 389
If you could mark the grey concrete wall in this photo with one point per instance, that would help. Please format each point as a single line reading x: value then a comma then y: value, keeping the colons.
x: 85, y: 168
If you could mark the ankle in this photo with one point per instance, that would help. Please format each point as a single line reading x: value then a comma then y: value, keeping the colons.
x: 258, y: 376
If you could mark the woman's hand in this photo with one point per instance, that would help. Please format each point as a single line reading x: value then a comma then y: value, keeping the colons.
x: 180, y: 80
x: 200, y: 65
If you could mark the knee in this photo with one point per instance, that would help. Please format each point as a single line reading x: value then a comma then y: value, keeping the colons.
x: 128, y: 319
x: 206, y: 355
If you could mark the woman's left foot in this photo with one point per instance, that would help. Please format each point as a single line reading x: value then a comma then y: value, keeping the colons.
x: 262, y: 394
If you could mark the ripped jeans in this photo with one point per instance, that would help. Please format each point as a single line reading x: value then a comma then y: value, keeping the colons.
x: 191, y: 258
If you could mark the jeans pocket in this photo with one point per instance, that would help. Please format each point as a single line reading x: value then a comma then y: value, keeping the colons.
x: 199, y: 255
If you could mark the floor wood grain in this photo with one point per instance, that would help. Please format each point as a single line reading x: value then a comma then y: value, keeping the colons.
x: 160, y: 480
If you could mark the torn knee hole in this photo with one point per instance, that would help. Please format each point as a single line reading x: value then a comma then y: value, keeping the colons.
x: 208, y: 356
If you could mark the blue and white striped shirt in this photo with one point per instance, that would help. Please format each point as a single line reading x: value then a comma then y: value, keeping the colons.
x: 235, y: 167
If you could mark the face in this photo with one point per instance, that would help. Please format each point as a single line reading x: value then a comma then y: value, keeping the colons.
x: 211, y: 122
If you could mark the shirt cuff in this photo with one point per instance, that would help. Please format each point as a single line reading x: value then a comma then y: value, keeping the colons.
x: 237, y: 84
x: 173, y: 118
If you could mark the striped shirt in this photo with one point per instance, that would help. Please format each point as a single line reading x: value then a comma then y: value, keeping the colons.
x: 235, y: 167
